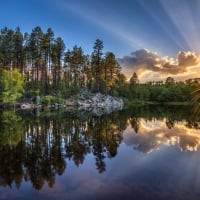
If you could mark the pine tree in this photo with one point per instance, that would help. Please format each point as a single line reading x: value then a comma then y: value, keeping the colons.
x: 47, y: 45
x: 57, y: 58
x: 134, y: 79
x: 18, y: 60
x: 7, y: 48
x: 111, y: 70
x: 75, y: 60
x: 96, y: 63
x: 35, y: 50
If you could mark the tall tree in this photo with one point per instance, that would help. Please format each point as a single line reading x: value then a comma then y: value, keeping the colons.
x: 75, y: 60
x: 111, y: 70
x: 134, y: 79
x: 7, y: 48
x: 47, y: 45
x: 169, y: 81
x: 35, y: 49
x: 96, y: 62
x: 18, y: 50
x: 57, y: 59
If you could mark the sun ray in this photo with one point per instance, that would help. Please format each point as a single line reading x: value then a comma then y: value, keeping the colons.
x: 182, y: 17
x: 159, y: 21
x: 105, y: 22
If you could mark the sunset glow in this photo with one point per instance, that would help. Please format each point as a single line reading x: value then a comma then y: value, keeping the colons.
x: 154, y: 134
x: 100, y: 99
x: 166, y: 27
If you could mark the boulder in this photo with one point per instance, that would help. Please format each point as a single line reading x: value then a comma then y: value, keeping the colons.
x: 101, y: 104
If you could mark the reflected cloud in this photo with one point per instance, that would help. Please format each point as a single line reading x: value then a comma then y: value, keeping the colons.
x: 154, y: 134
x: 39, y: 149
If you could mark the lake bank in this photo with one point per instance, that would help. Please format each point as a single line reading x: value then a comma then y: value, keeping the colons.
x: 137, y: 102
x: 97, y: 103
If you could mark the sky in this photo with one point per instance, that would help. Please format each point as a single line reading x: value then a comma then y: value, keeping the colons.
x: 154, y: 38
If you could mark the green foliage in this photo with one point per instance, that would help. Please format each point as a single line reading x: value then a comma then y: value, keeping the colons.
x: 55, y: 74
x: 179, y: 92
x: 50, y: 100
x: 47, y: 100
x: 12, y: 128
x: 13, y: 86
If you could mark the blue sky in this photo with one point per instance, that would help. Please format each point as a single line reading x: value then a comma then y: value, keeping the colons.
x: 164, y: 27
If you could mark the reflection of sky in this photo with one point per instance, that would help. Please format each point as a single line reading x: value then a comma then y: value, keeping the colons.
x: 155, y: 133
x: 166, y: 173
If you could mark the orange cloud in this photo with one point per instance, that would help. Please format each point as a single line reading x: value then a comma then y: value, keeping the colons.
x: 186, y: 59
x: 151, y: 135
x: 149, y: 64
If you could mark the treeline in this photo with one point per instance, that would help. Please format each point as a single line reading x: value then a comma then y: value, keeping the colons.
x: 38, y: 63
x: 50, y: 69
x: 159, y: 91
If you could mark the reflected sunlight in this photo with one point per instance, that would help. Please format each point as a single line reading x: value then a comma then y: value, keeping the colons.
x: 154, y: 134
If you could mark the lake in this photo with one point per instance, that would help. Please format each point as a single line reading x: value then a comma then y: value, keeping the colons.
x: 143, y: 152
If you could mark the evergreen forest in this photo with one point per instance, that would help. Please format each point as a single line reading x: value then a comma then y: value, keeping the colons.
x: 39, y: 64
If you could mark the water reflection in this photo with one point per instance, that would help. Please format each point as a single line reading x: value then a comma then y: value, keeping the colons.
x: 37, y: 149
x: 154, y: 134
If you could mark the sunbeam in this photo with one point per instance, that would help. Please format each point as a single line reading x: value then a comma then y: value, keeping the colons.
x: 113, y: 27
x: 158, y: 18
x: 182, y: 17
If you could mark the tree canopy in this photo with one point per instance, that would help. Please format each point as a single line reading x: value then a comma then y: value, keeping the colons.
x: 39, y: 64
x: 12, y: 86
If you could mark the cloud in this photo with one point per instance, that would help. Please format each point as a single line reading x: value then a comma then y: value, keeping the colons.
x: 154, y: 134
x: 186, y: 59
x: 144, y: 62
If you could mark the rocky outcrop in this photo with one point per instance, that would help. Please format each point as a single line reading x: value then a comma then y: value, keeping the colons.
x: 97, y: 104
x: 100, y: 104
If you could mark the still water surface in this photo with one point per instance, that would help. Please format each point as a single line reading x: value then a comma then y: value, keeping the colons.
x: 137, y: 153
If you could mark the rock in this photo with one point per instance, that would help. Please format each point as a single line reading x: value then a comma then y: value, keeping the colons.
x: 101, y: 104
x: 84, y: 104
x: 26, y: 106
x: 69, y: 102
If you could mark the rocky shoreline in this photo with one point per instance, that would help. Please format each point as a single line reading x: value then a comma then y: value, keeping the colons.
x: 96, y: 103
x: 99, y: 104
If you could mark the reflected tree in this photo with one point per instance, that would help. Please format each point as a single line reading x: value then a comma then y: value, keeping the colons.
x: 11, y: 129
x: 170, y: 123
x: 135, y: 124
x: 36, y: 149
